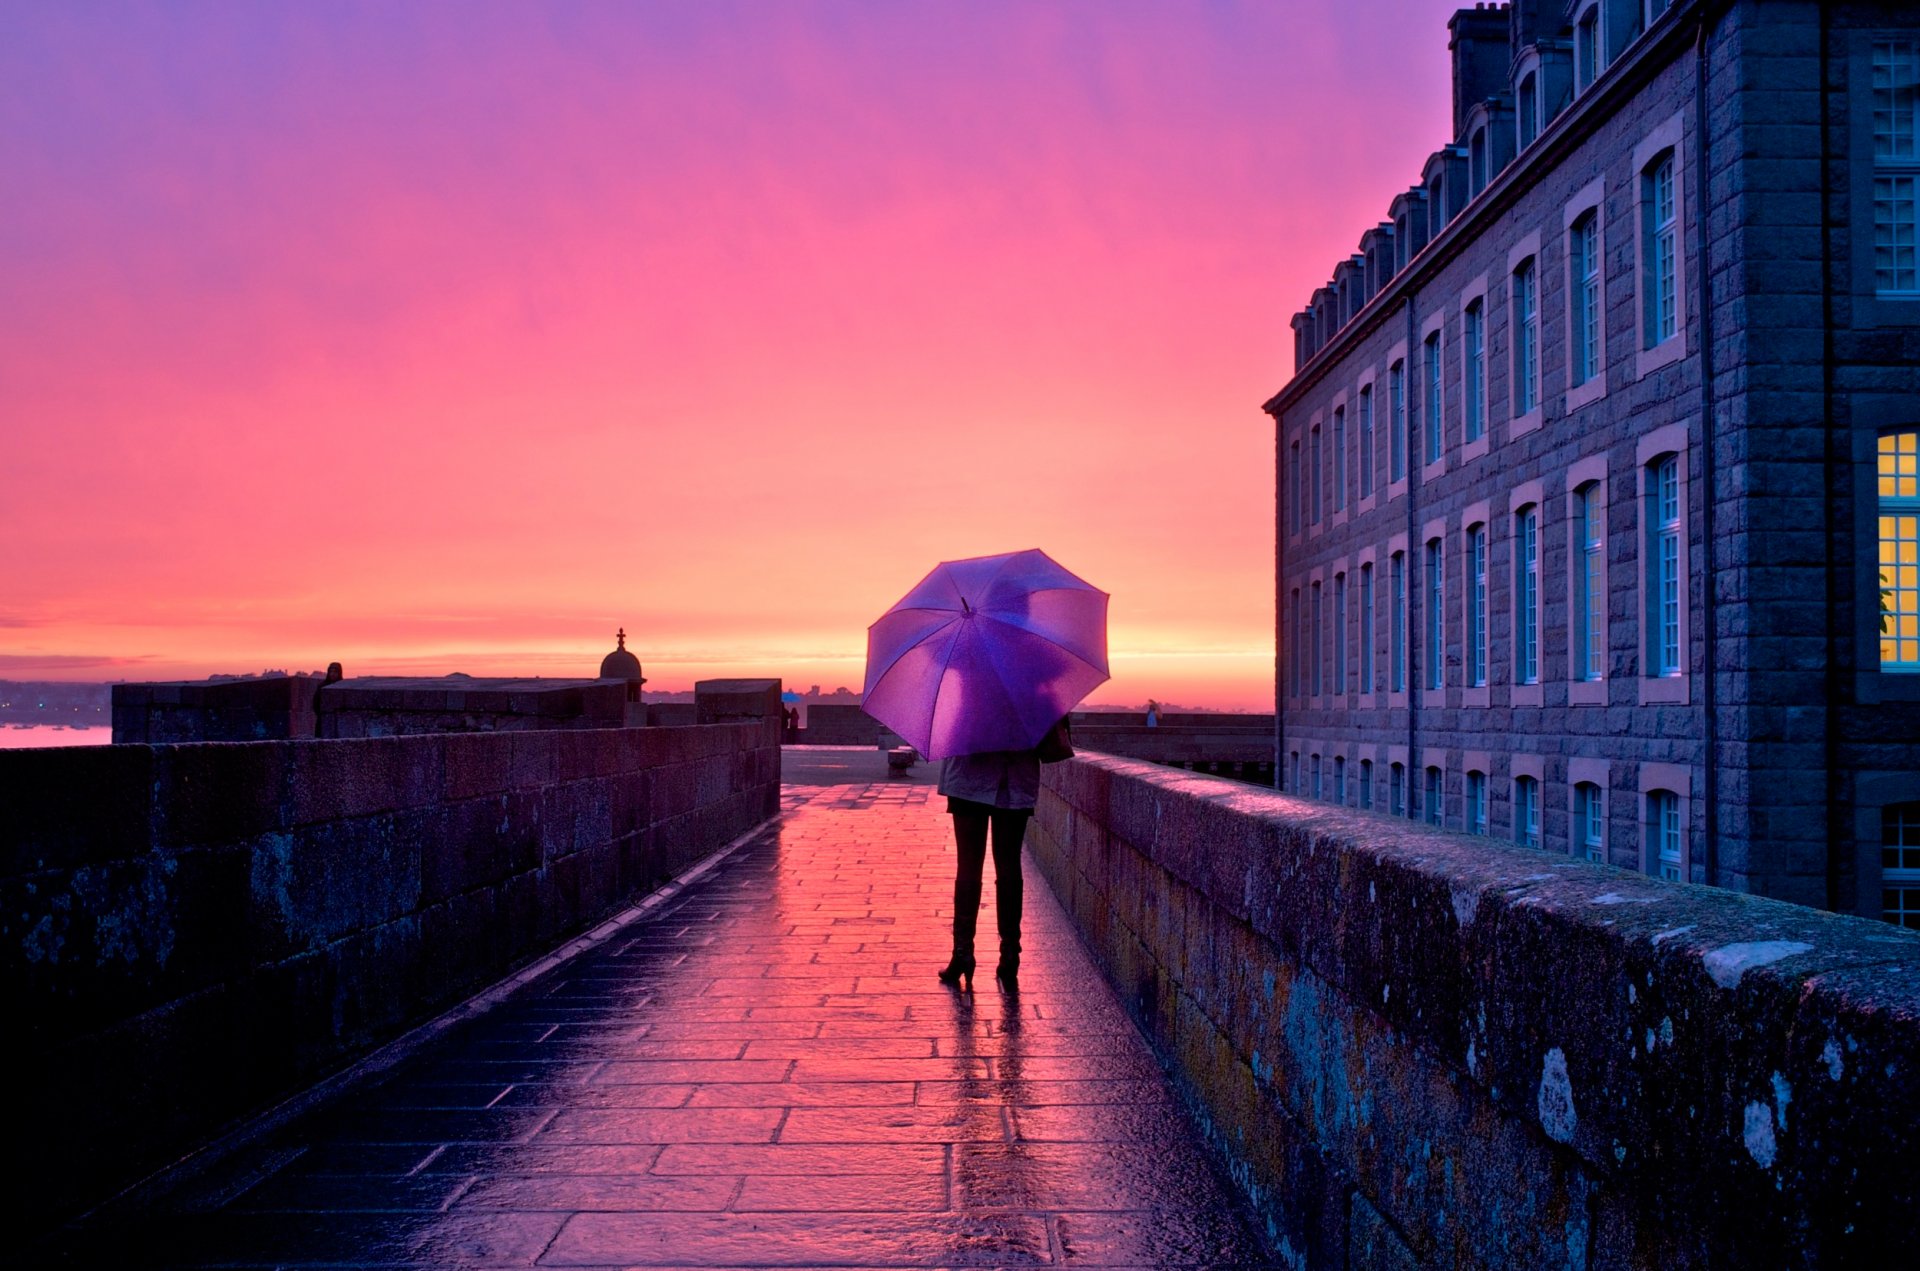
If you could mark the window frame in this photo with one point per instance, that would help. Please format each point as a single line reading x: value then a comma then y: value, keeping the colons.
x: 1339, y: 462
x: 1476, y: 579
x: 1433, y: 601
x: 1587, y: 207
x: 1526, y: 596
x: 1903, y: 510
x: 1596, y: 776
x: 1474, y: 806
x: 1340, y: 633
x: 1369, y: 678
x: 1588, y: 629
x: 1433, y: 796
x: 1526, y: 409
x: 1654, y: 686
x: 1475, y: 418
x: 1433, y: 421
x: 1397, y: 457
x: 1651, y: 354
x: 1675, y: 780
x: 1365, y: 441
x: 1397, y: 624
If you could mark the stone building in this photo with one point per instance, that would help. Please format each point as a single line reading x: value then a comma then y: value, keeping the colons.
x: 1524, y: 589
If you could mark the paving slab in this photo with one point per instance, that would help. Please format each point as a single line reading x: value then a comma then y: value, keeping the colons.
x: 762, y: 1072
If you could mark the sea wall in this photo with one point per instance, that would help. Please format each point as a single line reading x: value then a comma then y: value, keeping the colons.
x: 190, y: 932
x: 1420, y: 1049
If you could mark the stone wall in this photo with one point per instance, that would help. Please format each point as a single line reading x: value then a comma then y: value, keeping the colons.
x: 188, y: 933
x: 377, y: 706
x: 1422, y: 1049
x: 829, y: 725
x: 270, y: 708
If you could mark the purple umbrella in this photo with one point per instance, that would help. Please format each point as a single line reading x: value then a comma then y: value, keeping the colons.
x: 986, y: 654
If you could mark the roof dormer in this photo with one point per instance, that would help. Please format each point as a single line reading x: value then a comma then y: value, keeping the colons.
x: 1408, y: 212
x: 1445, y: 181
x: 1376, y: 248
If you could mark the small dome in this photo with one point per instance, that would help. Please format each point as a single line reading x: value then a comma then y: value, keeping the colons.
x: 620, y: 664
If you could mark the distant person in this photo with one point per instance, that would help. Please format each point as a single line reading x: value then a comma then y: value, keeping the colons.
x: 1153, y: 713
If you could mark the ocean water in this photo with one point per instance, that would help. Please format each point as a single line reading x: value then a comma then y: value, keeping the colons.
x: 39, y: 736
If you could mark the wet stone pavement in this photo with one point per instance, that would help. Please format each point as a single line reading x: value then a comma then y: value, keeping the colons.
x: 762, y: 1072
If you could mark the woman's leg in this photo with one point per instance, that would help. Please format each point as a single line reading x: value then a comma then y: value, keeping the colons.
x: 970, y: 837
x: 1009, y: 829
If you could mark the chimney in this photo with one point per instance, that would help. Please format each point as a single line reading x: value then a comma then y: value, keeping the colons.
x: 1481, y: 57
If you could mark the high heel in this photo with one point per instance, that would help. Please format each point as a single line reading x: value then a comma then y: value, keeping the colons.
x: 1008, y: 975
x: 959, y: 972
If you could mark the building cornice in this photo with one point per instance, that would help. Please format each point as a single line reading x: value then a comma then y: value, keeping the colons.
x: 1628, y: 74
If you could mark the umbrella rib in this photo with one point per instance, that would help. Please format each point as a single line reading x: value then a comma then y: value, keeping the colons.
x: 874, y: 679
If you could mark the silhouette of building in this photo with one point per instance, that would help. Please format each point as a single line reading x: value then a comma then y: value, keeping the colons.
x: 1524, y: 589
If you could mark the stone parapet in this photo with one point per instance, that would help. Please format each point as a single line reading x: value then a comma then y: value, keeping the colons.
x: 1434, y: 1050
x: 194, y: 931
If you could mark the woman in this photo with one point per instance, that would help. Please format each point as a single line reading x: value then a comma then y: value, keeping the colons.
x: 990, y: 793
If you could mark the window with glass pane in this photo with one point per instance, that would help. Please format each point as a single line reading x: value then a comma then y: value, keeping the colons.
x: 1475, y: 389
x: 1319, y: 635
x: 1316, y: 776
x: 1477, y: 606
x: 1435, y: 650
x: 1366, y: 783
x: 1397, y: 421
x: 1432, y: 403
x: 1899, y: 486
x: 1583, y: 244
x: 1366, y: 628
x: 1660, y: 271
x: 1589, y: 600
x: 1339, y: 779
x: 1366, y: 442
x: 1586, y: 49
x: 1339, y: 458
x: 1294, y: 653
x: 1477, y: 160
x: 1590, y: 821
x: 1896, y: 165
x: 1663, y: 551
x: 1435, y: 809
x: 1315, y: 475
x: 1293, y: 488
x: 1529, y: 111
x: 1900, y: 864
x: 1339, y: 633
x: 1526, y: 338
x: 1397, y: 790
x: 1663, y: 825
x: 1297, y: 788
x: 1526, y: 596
x: 1477, y: 802
x: 1526, y: 811
x: 1397, y: 620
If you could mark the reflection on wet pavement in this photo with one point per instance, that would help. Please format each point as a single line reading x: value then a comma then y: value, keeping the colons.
x: 762, y: 1073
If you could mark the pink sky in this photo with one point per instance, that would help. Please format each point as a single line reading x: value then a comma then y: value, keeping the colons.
x: 451, y: 337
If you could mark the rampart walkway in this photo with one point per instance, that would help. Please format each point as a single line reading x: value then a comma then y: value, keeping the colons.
x: 762, y: 1072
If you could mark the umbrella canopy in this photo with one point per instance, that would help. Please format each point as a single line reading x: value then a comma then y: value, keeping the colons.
x: 985, y: 654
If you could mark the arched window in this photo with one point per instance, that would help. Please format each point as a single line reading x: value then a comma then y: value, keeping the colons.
x: 1586, y: 48
x: 1397, y: 789
x: 1590, y: 821
x: 1899, y: 485
x: 1526, y: 811
x: 1526, y: 595
x: 1666, y: 841
x: 1339, y: 633
x: 1296, y: 772
x: 1476, y: 810
x: 1583, y: 310
x: 1397, y: 422
x: 1435, y: 652
x: 1339, y: 458
x: 1660, y: 265
x: 1477, y: 160
x: 1589, y: 583
x: 1430, y: 403
x: 1366, y: 783
x: 1900, y: 864
x: 1293, y: 652
x: 1293, y: 488
x: 1366, y: 633
x: 1319, y: 640
x: 1434, y: 798
x: 1476, y: 604
x: 1474, y: 356
x: 1529, y: 108
x: 1526, y: 338
x: 1665, y: 585
x: 1366, y: 441
x: 1314, y: 474
x: 1397, y: 619
x: 1340, y: 779
x: 1317, y: 791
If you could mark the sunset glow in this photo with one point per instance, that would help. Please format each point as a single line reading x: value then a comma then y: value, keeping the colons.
x: 452, y: 337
